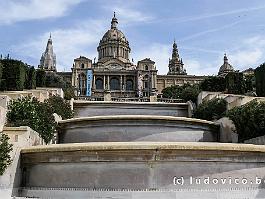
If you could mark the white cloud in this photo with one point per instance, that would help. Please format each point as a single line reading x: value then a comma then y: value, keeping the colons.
x: 159, y: 53
x: 213, y: 15
x: 68, y: 44
x: 12, y: 11
x: 250, y: 54
x: 126, y: 14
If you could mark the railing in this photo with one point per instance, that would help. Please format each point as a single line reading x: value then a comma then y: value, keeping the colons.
x: 86, y: 98
x: 134, y: 99
x: 169, y: 100
x: 130, y: 99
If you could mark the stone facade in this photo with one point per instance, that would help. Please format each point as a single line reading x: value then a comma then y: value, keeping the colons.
x: 114, y: 74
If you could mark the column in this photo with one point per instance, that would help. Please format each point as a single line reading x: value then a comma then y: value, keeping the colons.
x: 108, y: 87
x: 120, y: 82
x: 94, y: 82
x: 104, y: 82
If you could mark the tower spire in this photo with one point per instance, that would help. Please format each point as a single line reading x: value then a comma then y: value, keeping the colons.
x: 114, y: 22
x: 225, y: 59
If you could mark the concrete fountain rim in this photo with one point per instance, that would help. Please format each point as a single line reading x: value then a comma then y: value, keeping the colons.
x: 112, y: 146
x: 138, y: 117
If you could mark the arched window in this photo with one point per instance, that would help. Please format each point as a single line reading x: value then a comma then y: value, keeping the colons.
x: 114, y: 83
x: 146, y: 67
x: 129, y: 85
x: 82, y: 65
x: 99, y: 83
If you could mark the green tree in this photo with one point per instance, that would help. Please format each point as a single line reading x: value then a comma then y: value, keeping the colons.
x: 235, y: 83
x: 213, y: 84
x: 260, y: 80
x: 40, y: 78
x: 69, y: 92
x: 5, y: 149
x: 60, y: 106
x: 30, y: 112
x: 250, y: 83
x: 186, y: 92
x: 13, y: 75
x: 30, y: 82
x: 211, y: 110
x: 54, y: 80
x: 249, y: 119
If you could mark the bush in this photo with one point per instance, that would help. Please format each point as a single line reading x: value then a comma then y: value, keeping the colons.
x: 211, y: 110
x: 235, y: 83
x: 250, y: 83
x: 30, y: 82
x: 40, y: 78
x: 186, y: 92
x: 14, y: 74
x: 213, y: 84
x: 32, y: 113
x: 60, y: 106
x: 249, y: 119
x: 5, y: 149
x: 260, y: 80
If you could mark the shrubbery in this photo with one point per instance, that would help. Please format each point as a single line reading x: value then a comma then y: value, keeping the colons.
x: 30, y: 112
x: 260, y: 80
x: 37, y: 115
x: 60, y: 106
x: 186, y: 92
x: 211, y: 110
x: 249, y: 119
x: 235, y: 83
x: 5, y: 149
x: 16, y: 75
x: 213, y: 84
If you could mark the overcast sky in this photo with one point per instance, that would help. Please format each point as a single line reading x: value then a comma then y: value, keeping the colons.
x: 203, y: 29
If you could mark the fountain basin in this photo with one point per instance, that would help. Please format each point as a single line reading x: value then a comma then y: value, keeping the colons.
x: 140, y: 166
x: 137, y: 128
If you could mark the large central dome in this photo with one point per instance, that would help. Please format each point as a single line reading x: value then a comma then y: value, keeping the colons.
x: 113, y: 44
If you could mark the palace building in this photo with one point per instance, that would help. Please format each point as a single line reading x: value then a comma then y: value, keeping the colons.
x: 115, y: 74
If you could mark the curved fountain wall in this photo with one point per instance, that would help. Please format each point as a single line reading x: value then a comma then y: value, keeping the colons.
x: 138, y: 156
x: 90, y: 169
x: 136, y: 128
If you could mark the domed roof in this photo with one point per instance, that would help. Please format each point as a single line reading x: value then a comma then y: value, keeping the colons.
x: 114, y: 33
x: 226, y: 67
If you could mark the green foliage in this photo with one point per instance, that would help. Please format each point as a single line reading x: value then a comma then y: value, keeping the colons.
x: 235, y: 83
x: 5, y: 149
x: 60, y: 106
x: 69, y: 92
x: 260, y: 80
x: 249, y: 119
x: 54, y: 80
x: 13, y: 75
x: 30, y: 82
x: 32, y: 113
x: 40, y: 78
x: 213, y: 84
x: 211, y: 110
x: 186, y: 92
x: 250, y: 83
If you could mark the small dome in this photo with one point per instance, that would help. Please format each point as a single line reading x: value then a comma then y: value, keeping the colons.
x: 114, y: 34
x: 226, y: 67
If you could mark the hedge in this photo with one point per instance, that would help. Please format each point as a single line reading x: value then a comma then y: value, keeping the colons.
x: 5, y: 149
x: 249, y: 119
x: 211, y: 110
